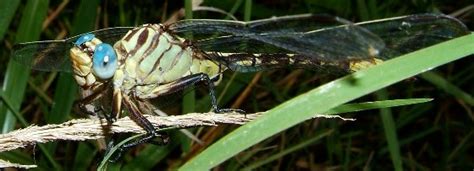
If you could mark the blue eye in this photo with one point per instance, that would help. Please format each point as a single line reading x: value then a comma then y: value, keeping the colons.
x: 104, y: 61
x: 84, y: 38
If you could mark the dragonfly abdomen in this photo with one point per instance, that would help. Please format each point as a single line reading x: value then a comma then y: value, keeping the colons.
x: 252, y: 62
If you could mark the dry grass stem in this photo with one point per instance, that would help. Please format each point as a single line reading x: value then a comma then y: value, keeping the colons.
x: 6, y: 164
x: 88, y: 129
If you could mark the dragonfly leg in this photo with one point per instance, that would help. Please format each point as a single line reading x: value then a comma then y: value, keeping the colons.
x: 137, y: 116
x: 147, y: 107
x: 188, y: 81
x: 85, y: 105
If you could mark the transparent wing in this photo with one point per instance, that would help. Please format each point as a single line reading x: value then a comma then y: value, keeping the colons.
x: 323, y: 37
x: 53, y: 55
x: 406, y: 34
x: 316, y: 41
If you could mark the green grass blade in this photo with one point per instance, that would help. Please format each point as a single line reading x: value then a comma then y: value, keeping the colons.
x: 189, y: 99
x: 448, y: 87
x: 390, y: 133
x: 289, y: 150
x: 464, y: 145
x: 109, y: 155
x: 419, y: 135
x: 8, y: 104
x: 329, y: 96
x: 248, y: 10
x: 234, y: 8
x: 356, y: 107
x: 83, y: 159
x: 16, y: 75
x: 64, y: 96
x: 7, y: 11
x: 345, y: 108
x: 149, y: 157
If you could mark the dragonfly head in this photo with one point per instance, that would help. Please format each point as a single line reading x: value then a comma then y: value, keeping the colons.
x: 91, y: 53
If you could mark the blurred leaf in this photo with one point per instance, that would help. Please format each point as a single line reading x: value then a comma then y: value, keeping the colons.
x: 390, y: 132
x: 150, y: 156
x: 329, y: 96
x: 16, y: 75
x: 83, y: 158
x: 289, y: 149
x: 448, y: 87
x: 7, y: 11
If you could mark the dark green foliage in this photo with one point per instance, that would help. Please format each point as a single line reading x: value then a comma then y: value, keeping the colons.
x: 434, y: 135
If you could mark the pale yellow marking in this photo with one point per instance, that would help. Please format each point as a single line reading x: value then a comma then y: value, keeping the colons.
x: 80, y: 80
x: 153, y: 91
x: 146, y: 66
x: 130, y: 67
x: 131, y: 62
x: 90, y: 79
x: 146, y: 91
x: 359, y: 65
x: 117, y: 102
x: 118, y: 78
x: 139, y: 54
x: 166, y: 60
x: 181, y: 66
x: 95, y: 41
x: 80, y: 58
x: 126, y: 44
x: 81, y: 62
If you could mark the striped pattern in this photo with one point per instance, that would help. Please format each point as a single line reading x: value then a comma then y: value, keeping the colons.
x: 150, y: 57
x: 245, y: 62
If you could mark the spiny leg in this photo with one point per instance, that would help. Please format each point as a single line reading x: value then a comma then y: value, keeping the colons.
x: 137, y: 116
x: 84, y: 106
x: 148, y: 106
x: 96, y: 94
x: 188, y: 81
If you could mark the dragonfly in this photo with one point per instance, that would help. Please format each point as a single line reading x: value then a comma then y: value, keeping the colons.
x: 122, y: 68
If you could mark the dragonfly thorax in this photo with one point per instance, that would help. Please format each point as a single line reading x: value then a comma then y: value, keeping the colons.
x: 151, y: 58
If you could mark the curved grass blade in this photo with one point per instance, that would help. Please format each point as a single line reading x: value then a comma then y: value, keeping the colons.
x: 356, y: 107
x: 16, y: 76
x: 7, y: 11
x: 340, y: 109
x: 448, y: 87
x: 329, y: 96
x: 293, y: 148
x: 103, y: 164
x: 390, y: 131
x: 150, y: 156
